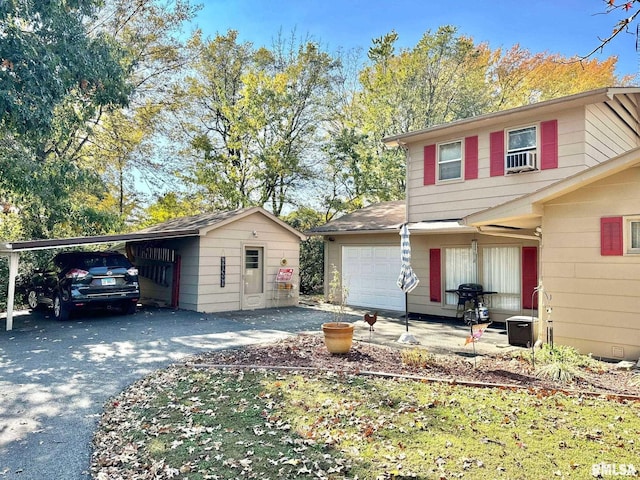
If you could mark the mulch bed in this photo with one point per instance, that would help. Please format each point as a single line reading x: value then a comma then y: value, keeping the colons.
x: 308, y: 351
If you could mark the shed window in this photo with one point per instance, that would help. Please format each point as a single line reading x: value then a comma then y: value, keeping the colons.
x: 252, y: 259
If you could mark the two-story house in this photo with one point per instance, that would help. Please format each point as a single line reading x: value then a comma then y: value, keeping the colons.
x: 546, y: 195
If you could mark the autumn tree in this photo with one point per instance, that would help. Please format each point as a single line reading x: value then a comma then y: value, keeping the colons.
x: 128, y: 146
x: 252, y: 118
x: 54, y: 76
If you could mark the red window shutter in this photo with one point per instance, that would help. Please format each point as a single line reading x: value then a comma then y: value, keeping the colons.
x: 549, y: 144
x: 430, y: 165
x: 471, y: 158
x: 435, y: 275
x: 611, y: 236
x: 529, y: 276
x: 496, y: 153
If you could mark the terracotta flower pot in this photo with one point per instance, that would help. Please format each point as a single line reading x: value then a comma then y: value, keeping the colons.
x: 338, y: 336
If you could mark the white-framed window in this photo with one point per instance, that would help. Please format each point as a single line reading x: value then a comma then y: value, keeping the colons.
x: 632, y: 234
x: 497, y: 268
x: 501, y: 267
x: 450, y: 160
x: 459, y: 268
x: 522, y: 146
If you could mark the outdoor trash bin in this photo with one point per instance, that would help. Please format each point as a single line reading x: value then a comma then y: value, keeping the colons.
x: 522, y: 331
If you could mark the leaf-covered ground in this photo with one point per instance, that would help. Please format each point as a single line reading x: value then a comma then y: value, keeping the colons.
x: 308, y: 351
x: 201, y: 421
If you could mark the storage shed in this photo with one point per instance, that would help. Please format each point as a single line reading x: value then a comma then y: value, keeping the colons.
x: 236, y: 260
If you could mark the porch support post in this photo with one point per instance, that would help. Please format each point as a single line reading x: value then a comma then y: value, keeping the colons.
x: 14, y: 258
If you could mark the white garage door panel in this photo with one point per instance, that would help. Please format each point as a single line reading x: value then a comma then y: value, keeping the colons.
x: 371, y: 274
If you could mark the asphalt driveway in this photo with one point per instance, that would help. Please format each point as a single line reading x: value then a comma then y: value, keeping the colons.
x: 55, y: 377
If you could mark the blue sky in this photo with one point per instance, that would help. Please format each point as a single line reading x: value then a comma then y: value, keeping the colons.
x: 567, y: 27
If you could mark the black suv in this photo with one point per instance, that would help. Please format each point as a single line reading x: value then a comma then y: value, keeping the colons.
x: 86, y: 280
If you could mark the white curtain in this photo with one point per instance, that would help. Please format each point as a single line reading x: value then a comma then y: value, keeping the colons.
x: 501, y: 273
x: 459, y: 268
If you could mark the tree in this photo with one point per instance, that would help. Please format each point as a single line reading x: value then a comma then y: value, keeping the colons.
x: 54, y: 77
x: 630, y: 9
x: 311, y: 250
x: 250, y: 118
x: 46, y: 56
x: 131, y: 143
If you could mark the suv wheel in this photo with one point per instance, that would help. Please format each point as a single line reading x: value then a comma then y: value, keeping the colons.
x: 129, y: 308
x: 60, y: 310
x: 32, y: 299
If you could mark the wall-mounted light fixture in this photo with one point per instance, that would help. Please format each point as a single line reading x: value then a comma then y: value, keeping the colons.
x: 255, y: 234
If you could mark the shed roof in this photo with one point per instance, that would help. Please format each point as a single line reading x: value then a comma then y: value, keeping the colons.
x: 207, y: 222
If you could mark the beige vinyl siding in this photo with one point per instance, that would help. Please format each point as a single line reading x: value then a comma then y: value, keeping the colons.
x: 229, y: 241
x: 607, y: 133
x: 190, y: 262
x: 458, y: 199
x: 418, y: 301
x: 595, y: 299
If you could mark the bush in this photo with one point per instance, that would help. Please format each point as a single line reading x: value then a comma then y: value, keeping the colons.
x: 417, y: 357
x: 560, y: 362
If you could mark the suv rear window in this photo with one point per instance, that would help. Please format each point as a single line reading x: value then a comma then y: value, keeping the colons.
x: 92, y: 260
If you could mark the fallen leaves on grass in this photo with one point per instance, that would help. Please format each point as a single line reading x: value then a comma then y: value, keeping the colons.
x: 198, y: 423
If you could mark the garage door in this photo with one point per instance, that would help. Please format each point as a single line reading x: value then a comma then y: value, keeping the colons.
x: 371, y: 274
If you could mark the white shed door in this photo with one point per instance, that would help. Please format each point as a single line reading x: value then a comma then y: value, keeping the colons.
x: 370, y: 274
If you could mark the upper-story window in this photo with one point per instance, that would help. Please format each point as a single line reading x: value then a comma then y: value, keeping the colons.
x: 521, y: 149
x: 450, y: 161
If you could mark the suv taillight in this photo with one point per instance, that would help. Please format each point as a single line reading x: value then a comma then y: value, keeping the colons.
x: 76, y: 273
x: 132, y: 272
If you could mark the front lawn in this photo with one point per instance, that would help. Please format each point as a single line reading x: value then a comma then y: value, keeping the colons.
x: 198, y: 423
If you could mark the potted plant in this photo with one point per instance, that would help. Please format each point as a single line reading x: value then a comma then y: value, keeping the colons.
x: 338, y: 335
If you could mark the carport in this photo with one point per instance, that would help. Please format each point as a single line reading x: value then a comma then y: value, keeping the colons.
x: 12, y: 250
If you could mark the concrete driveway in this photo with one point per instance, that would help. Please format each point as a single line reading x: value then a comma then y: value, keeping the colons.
x: 55, y: 377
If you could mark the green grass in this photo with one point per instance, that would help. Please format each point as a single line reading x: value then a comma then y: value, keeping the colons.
x: 208, y: 424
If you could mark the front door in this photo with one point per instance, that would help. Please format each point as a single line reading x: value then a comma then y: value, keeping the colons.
x: 253, y: 295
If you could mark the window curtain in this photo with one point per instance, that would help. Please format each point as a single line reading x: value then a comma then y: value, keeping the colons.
x: 501, y: 273
x: 459, y: 268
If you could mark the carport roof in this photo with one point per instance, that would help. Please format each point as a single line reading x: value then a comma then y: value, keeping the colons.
x: 179, y: 227
x: 21, y: 246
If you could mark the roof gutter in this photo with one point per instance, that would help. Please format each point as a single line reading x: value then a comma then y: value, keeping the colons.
x: 503, y: 233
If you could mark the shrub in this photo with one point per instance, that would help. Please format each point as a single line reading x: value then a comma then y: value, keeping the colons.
x: 417, y: 357
x: 560, y: 362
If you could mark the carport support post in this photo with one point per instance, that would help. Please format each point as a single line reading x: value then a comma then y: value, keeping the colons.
x: 14, y: 258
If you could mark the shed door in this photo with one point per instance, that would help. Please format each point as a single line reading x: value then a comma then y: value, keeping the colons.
x: 253, y: 295
x: 370, y: 274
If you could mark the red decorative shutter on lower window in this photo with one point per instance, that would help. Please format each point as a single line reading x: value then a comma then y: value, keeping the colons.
x: 430, y: 165
x: 471, y: 158
x: 529, y: 276
x: 549, y: 144
x: 611, y: 236
x: 435, y: 275
x: 496, y: 153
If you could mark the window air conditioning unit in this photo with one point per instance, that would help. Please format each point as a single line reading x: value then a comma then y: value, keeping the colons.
x: 521, y: 162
